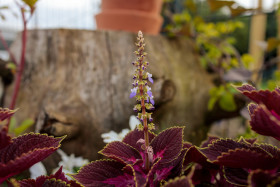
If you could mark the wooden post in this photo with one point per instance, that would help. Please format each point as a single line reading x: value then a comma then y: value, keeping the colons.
x: 257, y: 34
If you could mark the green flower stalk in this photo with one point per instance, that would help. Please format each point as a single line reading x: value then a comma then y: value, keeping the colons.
x: 143, y: 94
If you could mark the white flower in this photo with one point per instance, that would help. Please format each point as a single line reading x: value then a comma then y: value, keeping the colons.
x: 113, y: 136
x: 69, y: 163
x: 133, y: 122
x: 37, y: 170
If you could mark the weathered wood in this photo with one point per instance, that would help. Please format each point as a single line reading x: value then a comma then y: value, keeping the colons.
x: 78, y: 83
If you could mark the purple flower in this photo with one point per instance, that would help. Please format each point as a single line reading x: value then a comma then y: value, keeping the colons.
x: 133, y: 92
x: 150, y: 77
x: 152, y: 100
x: 149, y: 92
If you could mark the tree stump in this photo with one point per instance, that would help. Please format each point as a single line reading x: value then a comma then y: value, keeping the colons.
x: 78, y: 82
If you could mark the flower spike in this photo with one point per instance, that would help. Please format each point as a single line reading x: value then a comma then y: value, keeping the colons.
x: 143, y: 94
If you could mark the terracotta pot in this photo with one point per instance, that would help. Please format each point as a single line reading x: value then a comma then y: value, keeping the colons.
x: 153, y: 6
x: 130, y: 15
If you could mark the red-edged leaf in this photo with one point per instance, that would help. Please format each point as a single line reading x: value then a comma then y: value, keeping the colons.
x: 187, y: 145
x: 236, y: 176
x: 269, y: 98
x: 168, y: 144
x: 244, y: 158
x: 264, y: 122
x: 194, y: 155
x: 56, y: 180
x: 122, y: 180
x: 96, y: 173
x: 213, y: 151
x: 5, y: 139
x: 250, y: 141
x: 138, y: 171
x: 274, y: 151
x: 155, y: 174
x: 54, y: 183
x: 236, y: 154
x: 24, y: 151
x: 132, y: 137
x: 180, y: 181
x: 177, y: 165
x: 209, y: 140
x: 6, y: 113
x: 259, y: 178
x: 121, y: 152
x: 202, y: 175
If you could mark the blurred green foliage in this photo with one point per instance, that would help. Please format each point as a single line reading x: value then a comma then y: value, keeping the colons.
x: 214, y: 43
x: 20, y: 129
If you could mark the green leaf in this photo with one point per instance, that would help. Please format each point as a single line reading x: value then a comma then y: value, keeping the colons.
x: 246, y: 60
x: 216, y: 5
x: 272, y: 43
x: 227, y: 102
x: 12, y: 124
x: 30, y: 3
x: 23, y: 126
x: 11, y: 66
x: 211, y: 103
x: 4, y: 7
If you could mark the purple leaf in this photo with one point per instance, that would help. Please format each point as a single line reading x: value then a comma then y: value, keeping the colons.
x: 168, y: 144
x: 122, y: 180
x: 213, y: 151
x: 259, y: 178
x: 121, y: 152
x: 187, y: 145
x: 24, y: 151
x: 209, y: 141
x: 132, y: 138
x: 264, y: 122
x: 236, y: 176
x: 5, y: 139
x: 138, y: 171
x: 6, y: 113
x: 269, y: 98
x: 194, y: 155
x: 58, y: 179
x: 180, y: 181
x: 177, y: 165
x: 96, y: 173
x: 202, y: 175
x: 152, y: 177
x: 236, y: 154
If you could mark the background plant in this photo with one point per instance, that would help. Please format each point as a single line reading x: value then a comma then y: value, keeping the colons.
x: 27, y: 8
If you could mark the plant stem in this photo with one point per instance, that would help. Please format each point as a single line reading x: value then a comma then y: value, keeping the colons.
x: 145, y: 124
x: 21, y: 64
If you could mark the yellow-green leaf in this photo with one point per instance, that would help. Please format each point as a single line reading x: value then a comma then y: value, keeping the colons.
x: 227, y: 102
x: 23, y: 126
x: 30, y: 3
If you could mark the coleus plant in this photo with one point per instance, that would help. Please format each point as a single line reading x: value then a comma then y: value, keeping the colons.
x: 245, y: 162
x: 20, y: 153
x: 56, y: 180
x: 142, y: 158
